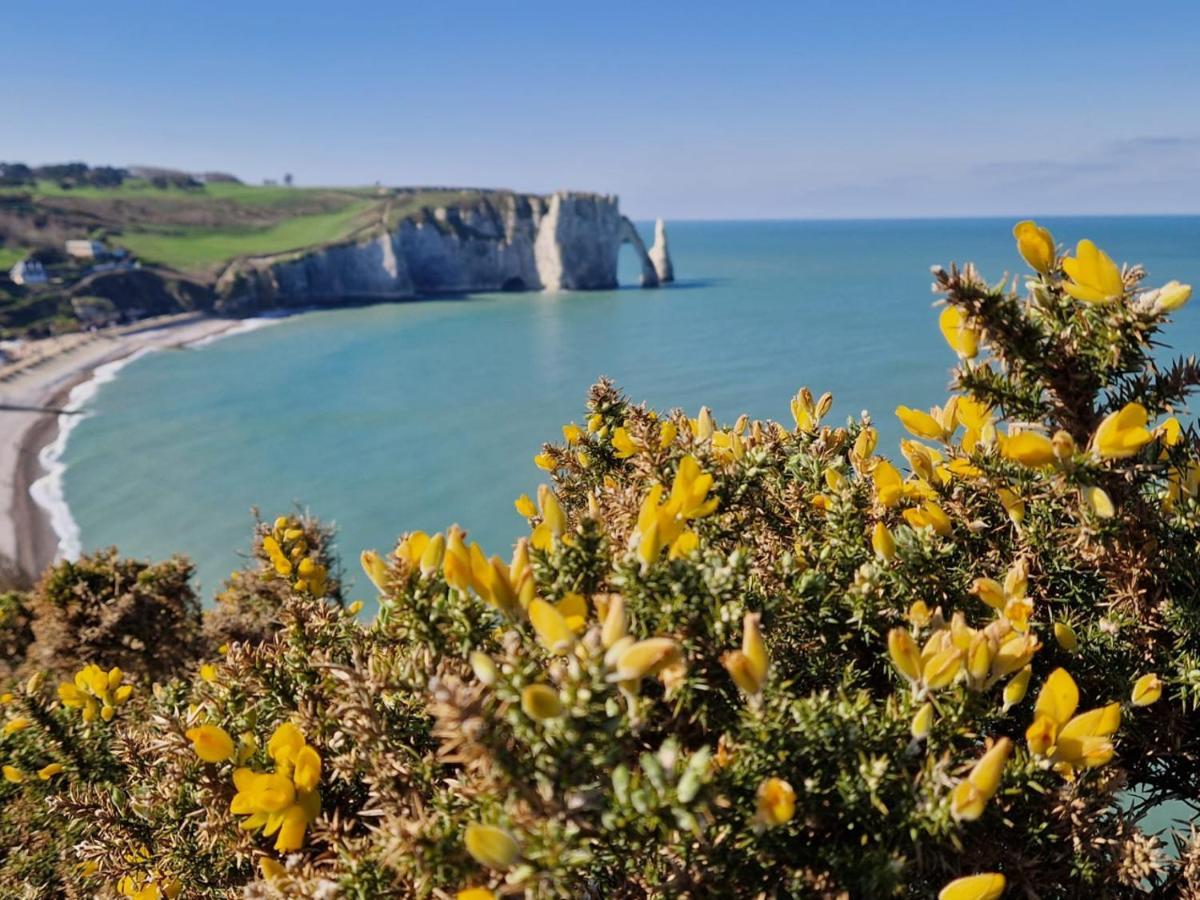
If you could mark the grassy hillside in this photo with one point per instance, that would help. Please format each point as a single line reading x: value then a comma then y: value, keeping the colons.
x: 198, y: 231
x: 194, y: 230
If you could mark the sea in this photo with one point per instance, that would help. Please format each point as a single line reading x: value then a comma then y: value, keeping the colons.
x: 399, y: 416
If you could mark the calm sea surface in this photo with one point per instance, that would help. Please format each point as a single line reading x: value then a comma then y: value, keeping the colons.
x: 415, y: 415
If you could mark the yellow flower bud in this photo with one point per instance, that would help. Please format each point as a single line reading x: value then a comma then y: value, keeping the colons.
x: 1029, y: 448
x: 541, y: 702
x: 776, y: 802
x: 882, y: 542
x: 211, y: 743
x: 646, y: 658
x: 1146, y: 690
x: 1035, y: 244
x: 1064, y: 634
x: 962, y: 338
x: 922, y: 722
x: 375, y: 568
x: 1014, y: 691
x: 491, y: 846
x: 903, y: 651
x: 988, y: 886
x: 1171, y: 296
x: 432, y: 556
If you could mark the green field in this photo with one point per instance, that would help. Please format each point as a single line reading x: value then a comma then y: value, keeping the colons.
x: 200, y: 230
x: 200, y: 249
x: 10, y: 256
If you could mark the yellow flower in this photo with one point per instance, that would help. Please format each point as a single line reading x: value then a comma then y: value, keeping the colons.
x: 541, y: 702
x: 491, y: 846
x: 432, y: 555
x: 1094, y: 277
x: 375, y: 568
x: 475, y: 893
x: 919, y: 614
x: 929, y: 515
x: 971, y: 795
x: 923, y: 424
x: 905, y: 656
x: 572, y: 433
x: 1171, y: 296
x: 355, y: 608
x: 551, y: 626
x: 1097, y: 500
x: 545, y: 461
x: 12, y: 774
x: 306, y: 769
x: 96, y: 693
x: 922, y: 722
x: 1029, y: 449
x: 1071, y: 741
x: 748, y: 666
x: 285, y: 743
x: 962, y: 338
x: 46, y: 772
x: 208, y: 672
x: 554, y: 519
x: 525, y: 506
x: 646, y: 658
x: 940, y: 670
x: 882, y: 542
x: 211, y: 743
x: 660, y: 524
x: 1013, y: 505
x: 18, y: 723
x: 1064, y: 634
x: 808, y: 412
x: 1147, y: 690
x: 1035, y: 244
x: 270, y: 868
x: 623, y: 444
x: 776, y: 802
x: 1122, y: 433
x: 666, y: 435
x: 988, y: 886
x: 1014, y: 691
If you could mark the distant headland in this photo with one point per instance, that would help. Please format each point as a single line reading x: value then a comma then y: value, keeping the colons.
x: 83, y: 246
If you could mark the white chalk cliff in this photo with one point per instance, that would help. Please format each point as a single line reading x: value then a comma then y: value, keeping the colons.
x: 660, y: 254
x: 497, y: 242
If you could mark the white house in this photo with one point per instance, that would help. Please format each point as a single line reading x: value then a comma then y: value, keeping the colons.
x: 28, y: 271
x: 85, y: 249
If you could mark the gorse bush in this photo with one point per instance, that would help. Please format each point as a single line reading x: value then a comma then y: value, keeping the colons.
x: 747, y: 660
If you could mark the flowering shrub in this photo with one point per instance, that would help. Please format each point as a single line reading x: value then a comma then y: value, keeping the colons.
x: 729, y: 660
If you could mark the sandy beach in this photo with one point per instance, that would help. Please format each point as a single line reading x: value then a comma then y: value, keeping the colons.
x: 33, y: 393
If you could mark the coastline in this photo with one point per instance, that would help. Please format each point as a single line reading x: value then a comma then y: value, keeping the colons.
x: 65, y: 372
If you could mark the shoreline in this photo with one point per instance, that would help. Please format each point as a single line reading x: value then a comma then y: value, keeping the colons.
x: 63, y: 368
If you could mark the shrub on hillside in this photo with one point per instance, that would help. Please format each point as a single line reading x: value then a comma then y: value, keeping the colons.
x: 729, y: 660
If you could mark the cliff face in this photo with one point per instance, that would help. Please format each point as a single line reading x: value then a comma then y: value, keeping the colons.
x: 507, y: 242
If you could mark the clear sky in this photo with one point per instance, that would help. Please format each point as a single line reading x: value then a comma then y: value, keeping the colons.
x: 685, y: 109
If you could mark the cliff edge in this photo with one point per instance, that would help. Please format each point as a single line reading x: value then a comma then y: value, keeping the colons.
x: 497, y: 242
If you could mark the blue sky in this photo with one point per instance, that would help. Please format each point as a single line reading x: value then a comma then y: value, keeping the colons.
x: 688, y: 110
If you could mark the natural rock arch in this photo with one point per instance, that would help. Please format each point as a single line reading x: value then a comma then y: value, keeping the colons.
x: 629, y: 235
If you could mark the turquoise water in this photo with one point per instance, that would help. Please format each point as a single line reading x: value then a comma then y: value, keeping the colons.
x: 393, y: 417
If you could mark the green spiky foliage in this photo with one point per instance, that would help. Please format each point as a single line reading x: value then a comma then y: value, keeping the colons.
x: 580, y: 721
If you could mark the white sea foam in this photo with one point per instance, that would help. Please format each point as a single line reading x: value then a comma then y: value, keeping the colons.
x: 242, y: 327
x: 47, y: 491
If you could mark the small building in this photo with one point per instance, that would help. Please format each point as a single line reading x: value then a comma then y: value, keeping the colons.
x: 28, y: 271
x: 79, y: 249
